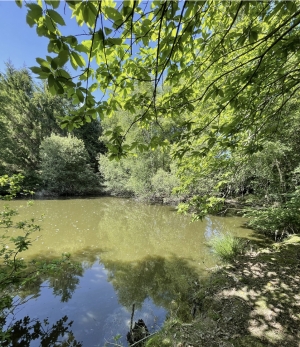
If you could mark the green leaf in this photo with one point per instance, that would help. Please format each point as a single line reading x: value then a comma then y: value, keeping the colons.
x: 107, y: 30
x: 86, y: 14
x: 291, y: 6
x: 72, y: 40
x: 64, y: 74
x: 36, y: 69
x: 43, y: 62
x: 51, y: 80
x: 87, y: 119
x: 92, y: 7
x: 253, y: 35
x: 113, y: 41
x: 62, y: 58
x: 80, y: 95
x: 54, y: 64
x: 35, y: 10
x: 19, y: 3
x: 58, y: 87
x: 42, y: 30
x: 45, y: 69
x: 100, y: 34
x: 50, y: 24
x: 29, y: 20
x: 56, y: 17
x: 79, y: 59
x: 82, y: 48
x: 112, y: 13
x: 53, y: 3
x: 93, y: 87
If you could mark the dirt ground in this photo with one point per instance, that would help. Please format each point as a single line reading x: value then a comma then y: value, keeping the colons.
x: 254, y: 302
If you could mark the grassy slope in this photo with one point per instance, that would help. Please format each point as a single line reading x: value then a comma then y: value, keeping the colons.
x: 253, y: 302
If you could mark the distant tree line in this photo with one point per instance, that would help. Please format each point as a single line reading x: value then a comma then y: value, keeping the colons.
x: 33, y: 144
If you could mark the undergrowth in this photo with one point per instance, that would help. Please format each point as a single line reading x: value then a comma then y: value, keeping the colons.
x: 226, y: 246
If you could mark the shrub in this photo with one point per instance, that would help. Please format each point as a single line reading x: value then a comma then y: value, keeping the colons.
x: 283, y: 218
x: 116, y: 175
x: 65, y: 168
x: 140, y: 176
x: 163, y: 183
x: 226, y: 246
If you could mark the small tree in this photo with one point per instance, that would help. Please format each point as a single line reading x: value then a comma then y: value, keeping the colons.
x: 65, y: 168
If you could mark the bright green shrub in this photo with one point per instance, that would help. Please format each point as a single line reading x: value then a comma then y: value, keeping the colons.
x: 65, y: 168
x: 116, y: 175
x: 226, y: 246
x: 163, y: 183
x: 140, y: 176
x: 128, y: 177
x: 281, y: 219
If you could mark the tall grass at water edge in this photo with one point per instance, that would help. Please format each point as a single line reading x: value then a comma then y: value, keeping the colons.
x: 226, y: 246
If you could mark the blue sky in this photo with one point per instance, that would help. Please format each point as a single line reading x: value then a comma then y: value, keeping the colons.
x: 19, y: 42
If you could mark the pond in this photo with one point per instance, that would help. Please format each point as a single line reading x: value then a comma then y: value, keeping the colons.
x: 130, y: 253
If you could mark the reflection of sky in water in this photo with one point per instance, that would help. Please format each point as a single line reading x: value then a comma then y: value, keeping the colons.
x: 149, y: 254
x: 217, y: 225
x: 94, y: 308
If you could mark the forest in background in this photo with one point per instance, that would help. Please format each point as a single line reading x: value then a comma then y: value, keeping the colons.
x: 56, y: 162
x: 200, y: 106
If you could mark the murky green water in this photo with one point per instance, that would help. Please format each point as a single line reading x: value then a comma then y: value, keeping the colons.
x: 129, y: 253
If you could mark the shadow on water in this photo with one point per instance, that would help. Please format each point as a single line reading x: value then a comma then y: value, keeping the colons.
x: 128, y: 253
x: 154, y: 281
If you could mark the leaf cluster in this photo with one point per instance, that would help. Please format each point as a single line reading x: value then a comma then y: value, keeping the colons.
x: 238, y: 56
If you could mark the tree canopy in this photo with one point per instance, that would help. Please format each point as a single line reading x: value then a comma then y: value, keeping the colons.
x: 239, y: 59
x: 28, y: 114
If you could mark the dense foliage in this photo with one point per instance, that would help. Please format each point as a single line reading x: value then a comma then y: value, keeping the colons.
x: 199, y: 100
x: 28, y: 115
x: 146, y: 172
x: 65, y: 167
x: 238, y: 58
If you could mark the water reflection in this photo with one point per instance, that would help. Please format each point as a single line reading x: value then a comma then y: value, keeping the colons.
x: 128, y: 253
x: 63, y: 280
x: 27, y: 331
x: 101, y: 287
x: 162, y: 280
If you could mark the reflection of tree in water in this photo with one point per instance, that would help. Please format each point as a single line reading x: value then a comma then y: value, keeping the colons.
x: 163, y: 280
x: 24, y: 331
x: 64, y: 280
x: 139, y: 217
x: 129, y: 233
x: 65, y: 285
x: 218, y: 225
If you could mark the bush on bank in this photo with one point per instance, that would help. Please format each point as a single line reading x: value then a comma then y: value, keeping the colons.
x: 65, y: 166
x: 226, y: 246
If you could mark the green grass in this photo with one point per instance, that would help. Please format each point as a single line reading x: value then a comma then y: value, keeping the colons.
x: 226, y: 246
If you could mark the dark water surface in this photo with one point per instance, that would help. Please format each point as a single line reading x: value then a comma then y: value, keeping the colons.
x: 129, y: 253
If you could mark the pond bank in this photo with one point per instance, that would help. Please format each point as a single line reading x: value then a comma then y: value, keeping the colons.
x: 253, y: 302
